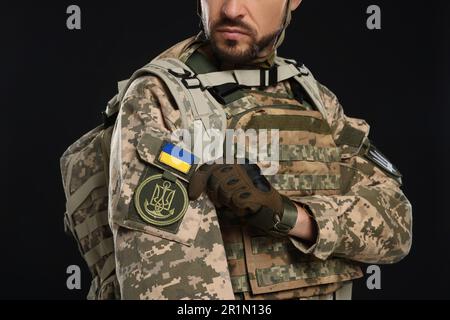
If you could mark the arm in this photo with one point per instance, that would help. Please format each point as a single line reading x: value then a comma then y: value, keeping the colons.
x: 305, y: 227
x: 153, y: 262
x: 144, y: 109
x: 371, y: 221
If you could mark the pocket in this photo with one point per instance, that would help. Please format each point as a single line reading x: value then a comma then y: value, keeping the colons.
x: 277, y: 265
x: 353, y: 137
x: 108, y: 290
x: 160, y: 205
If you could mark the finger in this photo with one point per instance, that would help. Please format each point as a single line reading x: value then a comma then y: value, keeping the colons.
x: 217, y: 183
x: 259, y: 181
x: 227, y: 188
x: 244, y: 199
x: 199, y: 180
x: 212, y: 188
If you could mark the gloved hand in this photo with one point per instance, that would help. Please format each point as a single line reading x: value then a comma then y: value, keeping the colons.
x: 243, y: 189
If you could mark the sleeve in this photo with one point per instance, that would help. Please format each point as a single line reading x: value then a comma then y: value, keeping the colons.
x: 371, y: 221
x: 145, y: 110
x: 183, y: 258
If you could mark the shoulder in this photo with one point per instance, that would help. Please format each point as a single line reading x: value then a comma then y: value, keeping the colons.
x: 324, y: 99
x: 348, y: 132
x: 144, y: 87
x: 145, y: 83
x: 148, y: 98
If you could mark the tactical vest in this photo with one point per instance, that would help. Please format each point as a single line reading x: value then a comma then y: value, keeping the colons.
x: 260, y: 267
x: 263, y: 267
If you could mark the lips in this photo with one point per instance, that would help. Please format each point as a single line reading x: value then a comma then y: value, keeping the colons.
x: 232, y: 33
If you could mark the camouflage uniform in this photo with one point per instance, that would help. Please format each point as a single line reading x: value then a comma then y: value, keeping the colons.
x: 361, y: 213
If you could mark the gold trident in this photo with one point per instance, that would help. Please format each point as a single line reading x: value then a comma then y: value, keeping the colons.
x: 161, y: 201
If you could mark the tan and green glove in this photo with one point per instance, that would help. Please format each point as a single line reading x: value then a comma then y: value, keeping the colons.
x: 243, y: 189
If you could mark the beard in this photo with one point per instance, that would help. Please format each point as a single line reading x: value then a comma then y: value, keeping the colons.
x: 234, y: 52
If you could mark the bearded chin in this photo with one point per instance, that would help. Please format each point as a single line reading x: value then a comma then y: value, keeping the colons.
x: 230, y: 52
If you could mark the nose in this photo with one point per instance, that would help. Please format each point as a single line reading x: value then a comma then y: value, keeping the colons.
x: 233, y: 9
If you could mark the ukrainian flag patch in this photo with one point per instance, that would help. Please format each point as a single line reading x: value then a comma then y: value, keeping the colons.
x: 176, y: 157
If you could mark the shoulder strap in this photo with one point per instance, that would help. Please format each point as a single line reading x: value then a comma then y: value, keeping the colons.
x: 285, y: 69
x: 249, y: 78
x: 209, y: 77
x: 308, y: 82
x: 190, y: 89
x: 113, y: 106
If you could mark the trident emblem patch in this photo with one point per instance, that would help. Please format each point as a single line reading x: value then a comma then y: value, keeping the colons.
x: 161, y: 202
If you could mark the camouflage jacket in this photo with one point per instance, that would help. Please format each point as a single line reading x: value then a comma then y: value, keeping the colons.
x: 370, y: 222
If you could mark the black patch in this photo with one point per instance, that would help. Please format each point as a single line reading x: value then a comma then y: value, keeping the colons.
x: 382, y: 162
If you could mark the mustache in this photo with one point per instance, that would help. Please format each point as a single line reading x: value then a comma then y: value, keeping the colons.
x: 227, y: 22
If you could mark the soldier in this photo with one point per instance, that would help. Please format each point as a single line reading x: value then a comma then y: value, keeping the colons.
x: 182, y: 229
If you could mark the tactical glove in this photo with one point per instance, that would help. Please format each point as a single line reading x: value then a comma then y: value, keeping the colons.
x: 242, y: 188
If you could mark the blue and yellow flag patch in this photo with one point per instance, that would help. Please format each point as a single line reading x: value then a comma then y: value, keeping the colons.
x: 176, y: 157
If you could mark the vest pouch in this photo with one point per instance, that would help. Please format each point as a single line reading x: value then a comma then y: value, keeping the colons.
x: 275, y: 265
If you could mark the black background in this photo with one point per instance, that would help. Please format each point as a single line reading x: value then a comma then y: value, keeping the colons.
x: 56, y: 82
